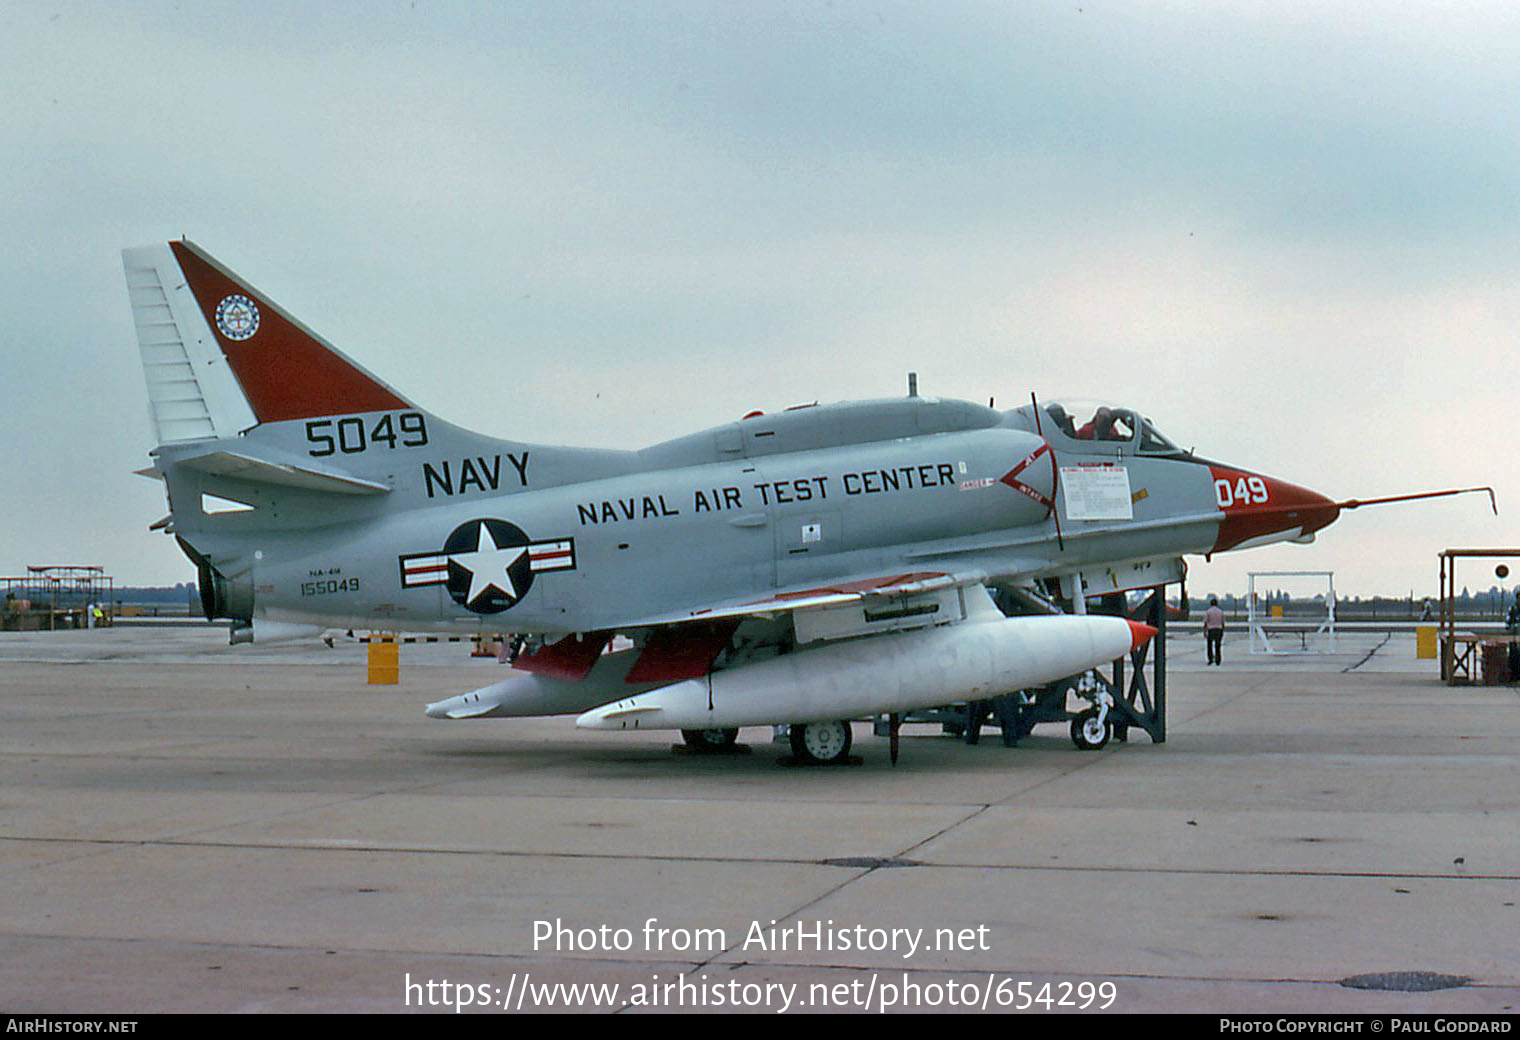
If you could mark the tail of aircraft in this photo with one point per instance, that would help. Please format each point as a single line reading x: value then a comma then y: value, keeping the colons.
x: 227, y: 372
x: 220, y: 357
x: 263, y: 428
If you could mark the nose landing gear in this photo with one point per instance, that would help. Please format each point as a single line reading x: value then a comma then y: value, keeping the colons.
x: 1091, y: 729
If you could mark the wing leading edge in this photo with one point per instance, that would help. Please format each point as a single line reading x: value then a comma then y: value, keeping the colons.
x: 811, y: 597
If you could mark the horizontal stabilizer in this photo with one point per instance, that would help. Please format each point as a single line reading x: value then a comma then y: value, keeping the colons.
x: 263, y: 471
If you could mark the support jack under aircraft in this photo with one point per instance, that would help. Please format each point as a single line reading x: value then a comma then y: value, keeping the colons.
x: 806, y: 567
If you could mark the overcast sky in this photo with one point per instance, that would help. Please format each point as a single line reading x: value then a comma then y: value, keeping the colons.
x: 1290, y: 233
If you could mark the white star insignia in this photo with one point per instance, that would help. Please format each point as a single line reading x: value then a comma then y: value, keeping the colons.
x: 488, y: 566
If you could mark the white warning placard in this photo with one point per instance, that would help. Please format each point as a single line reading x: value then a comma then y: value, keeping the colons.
x: 1097, y: 493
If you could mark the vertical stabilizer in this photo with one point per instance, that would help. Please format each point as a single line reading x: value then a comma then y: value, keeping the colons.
x: 192, y: 391
x: 221, y: 357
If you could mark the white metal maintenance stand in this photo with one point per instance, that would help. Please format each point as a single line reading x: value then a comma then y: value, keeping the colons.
x: 1323, y: 637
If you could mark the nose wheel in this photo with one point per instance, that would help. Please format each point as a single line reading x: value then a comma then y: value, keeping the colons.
x: 821, y: 743
x: 1090, y: 731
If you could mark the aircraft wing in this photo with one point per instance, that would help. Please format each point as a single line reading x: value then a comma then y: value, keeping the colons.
x: 858, y: 589
x: 1004, y: 544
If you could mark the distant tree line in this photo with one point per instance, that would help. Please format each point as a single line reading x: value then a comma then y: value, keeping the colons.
x: 1491, y: 604
x: 145, y: 595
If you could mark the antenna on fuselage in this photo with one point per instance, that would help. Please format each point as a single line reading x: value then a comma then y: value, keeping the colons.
x: 1055, y: 477
x: 912, y: 384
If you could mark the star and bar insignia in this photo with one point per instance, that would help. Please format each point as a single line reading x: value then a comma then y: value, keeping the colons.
x: 487, y: 564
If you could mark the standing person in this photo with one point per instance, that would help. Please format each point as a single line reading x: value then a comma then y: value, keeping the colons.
x: 1512, y: 627
x: 1213, y: 631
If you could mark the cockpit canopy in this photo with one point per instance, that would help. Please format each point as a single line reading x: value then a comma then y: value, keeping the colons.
x: 1101, y: 427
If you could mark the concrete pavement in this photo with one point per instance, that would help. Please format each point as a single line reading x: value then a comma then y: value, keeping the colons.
x: 186, y: 826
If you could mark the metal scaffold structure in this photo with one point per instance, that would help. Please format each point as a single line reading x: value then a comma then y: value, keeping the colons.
x: 51, y: 597
x: 1462, y: 652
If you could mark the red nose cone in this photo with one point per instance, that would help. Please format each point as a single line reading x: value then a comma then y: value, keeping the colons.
x: 1140, y: 634
x: 1257, y: 508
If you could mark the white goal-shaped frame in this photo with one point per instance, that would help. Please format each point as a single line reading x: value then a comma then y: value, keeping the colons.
x: 1315, y: 636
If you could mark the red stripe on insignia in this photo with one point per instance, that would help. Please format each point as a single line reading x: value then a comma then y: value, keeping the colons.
x: 1027, y: 461
x: 1011, y: 478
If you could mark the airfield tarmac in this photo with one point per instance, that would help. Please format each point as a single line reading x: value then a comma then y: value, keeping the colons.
x: 186, y: 826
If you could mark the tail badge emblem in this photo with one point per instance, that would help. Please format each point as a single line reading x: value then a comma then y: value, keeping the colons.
x: 237, y: 317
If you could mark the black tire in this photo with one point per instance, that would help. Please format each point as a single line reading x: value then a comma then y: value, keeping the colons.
x: 1085, y: 731
x: 710, y: 739
x: 821, y: 743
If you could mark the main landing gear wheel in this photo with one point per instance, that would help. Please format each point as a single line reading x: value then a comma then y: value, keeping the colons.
x: 710, y: 739
x: 821, y: 743
x: 1089, y: 732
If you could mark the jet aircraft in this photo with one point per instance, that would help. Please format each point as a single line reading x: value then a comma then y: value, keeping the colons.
x: 804, y: 567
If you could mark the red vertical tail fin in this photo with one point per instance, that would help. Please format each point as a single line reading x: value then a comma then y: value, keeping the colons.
x: 220, y: 356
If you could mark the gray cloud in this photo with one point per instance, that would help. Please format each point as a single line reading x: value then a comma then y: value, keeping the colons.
x: 1286, y: 233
